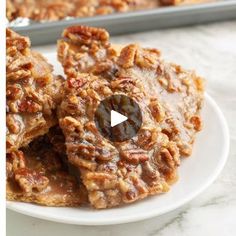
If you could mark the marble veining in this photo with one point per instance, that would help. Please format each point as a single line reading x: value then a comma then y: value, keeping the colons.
x: 211, y: 50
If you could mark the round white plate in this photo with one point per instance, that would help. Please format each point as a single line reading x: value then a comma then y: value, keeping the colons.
x: 195, y: 175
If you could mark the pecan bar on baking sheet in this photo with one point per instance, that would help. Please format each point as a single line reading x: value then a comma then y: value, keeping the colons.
x: 32, y: 92
x: 52, y: 10
x: 37, y: 174
x: 169, y: 97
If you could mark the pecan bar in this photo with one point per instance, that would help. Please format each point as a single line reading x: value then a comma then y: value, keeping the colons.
x: 32, y: 92
x: 51, y: 10
x: 170, y: 98
x: 176, y: 94
x: 36, y: 174
x: 114, y: 173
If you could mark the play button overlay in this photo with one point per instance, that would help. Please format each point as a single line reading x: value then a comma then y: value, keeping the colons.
x: 118, y: 118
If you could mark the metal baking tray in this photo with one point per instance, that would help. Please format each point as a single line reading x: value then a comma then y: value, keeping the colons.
x: 121, y: 23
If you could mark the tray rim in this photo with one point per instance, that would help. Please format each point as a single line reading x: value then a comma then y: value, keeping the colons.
x: 181, y: 9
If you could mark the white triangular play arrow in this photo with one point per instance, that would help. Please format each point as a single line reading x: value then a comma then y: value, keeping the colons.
x: 117, y: 118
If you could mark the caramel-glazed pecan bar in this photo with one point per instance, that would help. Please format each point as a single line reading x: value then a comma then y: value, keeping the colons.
x: 32, y: 92
x: 35, y: 167
x: 51, y: 10
x: 37, y: 174
x: 170, y: 98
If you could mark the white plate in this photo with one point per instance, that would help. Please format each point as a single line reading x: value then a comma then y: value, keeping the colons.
x: 195, y: 175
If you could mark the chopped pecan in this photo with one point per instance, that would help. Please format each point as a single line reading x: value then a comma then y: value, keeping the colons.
x: 157, y: 110
x: 147, y: 58
x: 106, y: 69
x: 134, y: 156
x: 185, y: 149
x: 127, y: 56
x: 30, y: 180
x: 81, y: 162
x: 123, y: 83
x: 30, y: 106
x: 84, y: 34
x: 13, y: 123
x: 14, y: 92
x: 147, y: 138
x: 168, y: 160
x: 196, y: 122
x: 75, y: 83
x: 150, y: 171
x: 70, y: 124
x: 15, y: 160
x: 199, y: 82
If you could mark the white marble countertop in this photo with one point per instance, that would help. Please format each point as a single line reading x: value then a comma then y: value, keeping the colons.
x: 211, y: 50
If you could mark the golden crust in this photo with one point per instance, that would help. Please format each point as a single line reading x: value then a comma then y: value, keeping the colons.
x: 37, y: 175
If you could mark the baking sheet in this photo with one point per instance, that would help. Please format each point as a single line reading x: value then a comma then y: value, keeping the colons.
x: 122, y: 23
